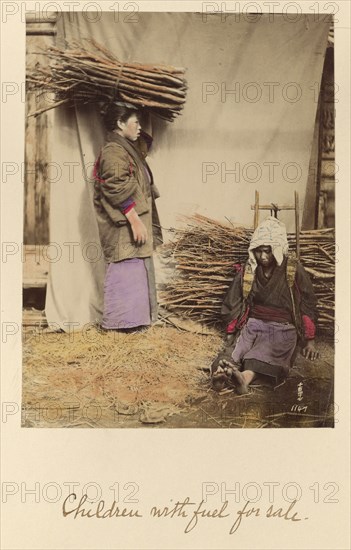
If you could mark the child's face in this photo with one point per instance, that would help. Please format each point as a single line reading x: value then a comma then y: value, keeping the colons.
x: 264, y: 256
x: 130, y: 129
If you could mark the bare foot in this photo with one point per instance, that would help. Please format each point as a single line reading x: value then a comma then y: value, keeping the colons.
x: 221, y: 378
x: 228, y: 367
x: 228, y: 375
x: 239, y: 381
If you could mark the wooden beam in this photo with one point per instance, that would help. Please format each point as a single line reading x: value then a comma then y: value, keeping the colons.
x: 256, y: 208
x: 44, y: 17
x: 34, y: 317
x: 272, y: 206
x: 297, y: 224
x: 41, y: 32
x: 35, y: 267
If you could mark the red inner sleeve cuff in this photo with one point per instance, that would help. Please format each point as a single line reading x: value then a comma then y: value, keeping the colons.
x: 231, y: 326
x: 309, y: 327
x: 126, y: 210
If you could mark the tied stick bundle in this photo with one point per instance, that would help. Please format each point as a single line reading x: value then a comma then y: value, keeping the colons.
x: 318, y: 258
x: 205, y: 252
x: 93, y: 74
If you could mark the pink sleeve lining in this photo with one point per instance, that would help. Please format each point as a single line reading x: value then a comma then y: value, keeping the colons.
x: 309, y: 327
x: 128, y: 208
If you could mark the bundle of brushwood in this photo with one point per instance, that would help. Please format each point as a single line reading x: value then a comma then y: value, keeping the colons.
x: 205, y: 251
x: 92, y: 74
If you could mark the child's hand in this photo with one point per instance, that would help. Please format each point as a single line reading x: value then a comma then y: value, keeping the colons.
x: 310, y: 351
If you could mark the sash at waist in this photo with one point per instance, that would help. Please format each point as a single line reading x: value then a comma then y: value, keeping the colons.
x: 270, y: 313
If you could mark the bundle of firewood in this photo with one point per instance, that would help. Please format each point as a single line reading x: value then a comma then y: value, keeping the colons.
x: 204, y: 254
x: 92, y: 74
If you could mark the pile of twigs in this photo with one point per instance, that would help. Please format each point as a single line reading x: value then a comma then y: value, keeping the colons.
x: 318, y: 258
x: 205, y: 251
x: 93, y: 74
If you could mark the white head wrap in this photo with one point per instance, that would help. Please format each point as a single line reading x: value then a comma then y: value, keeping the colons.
x: 271, y: 232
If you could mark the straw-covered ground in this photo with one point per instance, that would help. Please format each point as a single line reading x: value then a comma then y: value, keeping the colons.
x: 159, y: 378
x: 92, y: 378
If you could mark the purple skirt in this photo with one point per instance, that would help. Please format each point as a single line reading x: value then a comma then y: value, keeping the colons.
x: 267, y: 342
x: 129, y: 294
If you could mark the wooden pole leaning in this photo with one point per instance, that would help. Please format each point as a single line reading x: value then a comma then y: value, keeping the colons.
x: 276, y: 208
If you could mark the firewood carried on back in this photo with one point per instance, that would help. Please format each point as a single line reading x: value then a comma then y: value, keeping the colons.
x: 205, y: 251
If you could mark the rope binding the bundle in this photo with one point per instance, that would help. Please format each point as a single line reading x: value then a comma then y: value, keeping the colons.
x: 82, y: 75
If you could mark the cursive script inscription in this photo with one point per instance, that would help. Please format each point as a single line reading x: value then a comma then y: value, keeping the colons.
x: 99, y: 511
x: 281, y: 514
x: 192, y: 512
x: 201, y: 512
x: 181, y: 509
x: 248, y: 511
x: 178, y: 510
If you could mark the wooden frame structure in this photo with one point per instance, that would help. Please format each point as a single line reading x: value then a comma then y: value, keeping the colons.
x: 274, y: 209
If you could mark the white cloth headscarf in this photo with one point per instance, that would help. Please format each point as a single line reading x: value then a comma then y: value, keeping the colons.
x: 271, y: 232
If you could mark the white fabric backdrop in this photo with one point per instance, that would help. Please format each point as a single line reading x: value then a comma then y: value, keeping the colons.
x: 262, y: 131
